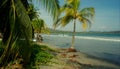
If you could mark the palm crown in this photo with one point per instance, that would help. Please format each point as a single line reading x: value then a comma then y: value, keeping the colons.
x: 72, y: 12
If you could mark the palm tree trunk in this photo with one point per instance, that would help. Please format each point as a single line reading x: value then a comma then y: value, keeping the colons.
x: 73, y: 36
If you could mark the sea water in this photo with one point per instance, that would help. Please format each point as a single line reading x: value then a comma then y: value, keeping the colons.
x: 104, y: 46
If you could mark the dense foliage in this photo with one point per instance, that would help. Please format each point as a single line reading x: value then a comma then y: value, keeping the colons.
x: 16, y: 27
x: 40, y: 54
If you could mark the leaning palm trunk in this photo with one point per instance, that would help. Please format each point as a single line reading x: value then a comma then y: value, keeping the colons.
x: 73, y: 36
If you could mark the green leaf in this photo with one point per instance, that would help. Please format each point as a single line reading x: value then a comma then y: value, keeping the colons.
x: 52, y: 6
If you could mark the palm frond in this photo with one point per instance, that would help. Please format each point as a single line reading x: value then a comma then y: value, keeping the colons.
x: 24, y: 28
x: 2, y: 3
x: 88, y: 12
x: 32, y: 12
x: 65, y: 9
x: 73, y: 4
x: 69, y: 11
x: 63, y: 21
x: 22, y: 15
x: 39, y: 25
x: 57, y: 23
x: 62, y: 9
x: 86, y: 23
x: 12, y: 15
x: 85, y: 16
x: 20, y: 28
x: 46, y: 31
x: 66, y: 20
x: 51, y: 6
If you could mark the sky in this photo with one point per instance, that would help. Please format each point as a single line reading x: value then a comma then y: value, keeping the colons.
x: 107, y: 16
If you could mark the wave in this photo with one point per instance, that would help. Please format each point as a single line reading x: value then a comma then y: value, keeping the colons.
x: 87, y: 37
x: 59, y: 35
x: 98, y: 38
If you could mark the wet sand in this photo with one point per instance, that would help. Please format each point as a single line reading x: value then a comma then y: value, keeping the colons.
x: 76, y: 60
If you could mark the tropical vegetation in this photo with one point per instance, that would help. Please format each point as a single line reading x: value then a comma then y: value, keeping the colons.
x: 19, y: 20
x: 39, y: 27
x: 38, y: 24
x: 70, y: 12
x: 16, y: 28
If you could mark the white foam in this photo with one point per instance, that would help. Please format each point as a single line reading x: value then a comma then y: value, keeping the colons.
x: 98, y: 38
x: 59, y: 35
x: 86, y: 37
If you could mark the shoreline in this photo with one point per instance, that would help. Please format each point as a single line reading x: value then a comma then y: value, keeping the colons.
x: 76, y: 60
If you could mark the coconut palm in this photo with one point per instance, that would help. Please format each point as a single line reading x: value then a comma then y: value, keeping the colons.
x: 39, y: 27
x: 72, y: 12
x: 38, y: 23
x: 15, y: 25
x: 32, y: 12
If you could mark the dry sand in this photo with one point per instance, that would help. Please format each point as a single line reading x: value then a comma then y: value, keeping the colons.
x: 76, y: 60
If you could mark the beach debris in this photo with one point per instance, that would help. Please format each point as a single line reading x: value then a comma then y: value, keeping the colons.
x: 71, y: 50
x: 73, y: 56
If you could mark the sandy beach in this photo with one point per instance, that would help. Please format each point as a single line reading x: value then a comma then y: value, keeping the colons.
x: 75, y: 60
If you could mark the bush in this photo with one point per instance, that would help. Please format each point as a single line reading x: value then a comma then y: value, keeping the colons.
x: 43, y: 57
x: 40, y: 55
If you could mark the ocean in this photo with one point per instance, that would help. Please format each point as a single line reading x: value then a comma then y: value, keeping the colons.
x: 103, y: 46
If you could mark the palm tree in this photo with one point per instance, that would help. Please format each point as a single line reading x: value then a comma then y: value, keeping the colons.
x: 15, y: 25
x: 72, y: 13
x: 39, y: 27
x: 38, y: 24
